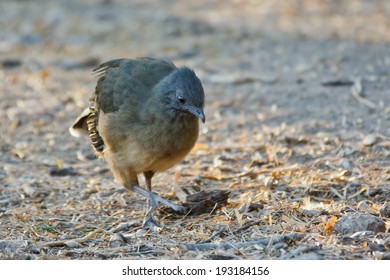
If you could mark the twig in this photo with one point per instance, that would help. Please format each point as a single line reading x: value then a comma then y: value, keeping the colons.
x: 220, y: 232
x: 227, y: 246
x: 357, y: 193
x: 248, y: 173
x: 300, y: 251
x: 78, y: 240
x: 122, y: 227
x: 357, y: 92
x: 240, y: 175
x: 247, y: 225
x: 337, y: 193
x: 337, y: 83
x: 363, y: 100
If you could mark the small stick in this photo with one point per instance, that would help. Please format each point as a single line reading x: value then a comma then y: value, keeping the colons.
x: 248, y: 173
x: 220, y: 232
x: 78, y: 240
x: 357, y: 92
x: 227, y: 246
x: 247, y: 225
x: 337, y: 193
x: 300, y: 251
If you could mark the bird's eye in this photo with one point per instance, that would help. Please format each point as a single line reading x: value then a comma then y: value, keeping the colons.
x: 182, y: 100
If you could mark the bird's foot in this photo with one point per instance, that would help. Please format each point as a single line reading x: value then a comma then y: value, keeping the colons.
x: 151, y: 224
x: 158, y: 199
x: 177, y: 208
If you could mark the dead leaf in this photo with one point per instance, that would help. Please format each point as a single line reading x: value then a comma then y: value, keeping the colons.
x: 200, y: 235
x: 329, y: 225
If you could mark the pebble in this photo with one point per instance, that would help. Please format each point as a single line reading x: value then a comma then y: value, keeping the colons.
x: 346, y: 164
x: 371, y: 139
x: 73, y: 244
x: 117, y: 240
x: 13, y: 244
x: 356, y: 222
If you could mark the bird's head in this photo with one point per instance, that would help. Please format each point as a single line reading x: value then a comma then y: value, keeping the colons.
x: 182, y: 92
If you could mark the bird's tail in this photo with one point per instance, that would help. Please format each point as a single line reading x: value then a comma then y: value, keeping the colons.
x: 86, y: 124
x: 94, y: 136
x: 79, y: 127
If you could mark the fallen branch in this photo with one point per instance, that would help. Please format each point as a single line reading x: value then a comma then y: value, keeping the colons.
x: 77, y: 240
x: 237, y: 245
x: 300, y: 251
x: 249, y: 173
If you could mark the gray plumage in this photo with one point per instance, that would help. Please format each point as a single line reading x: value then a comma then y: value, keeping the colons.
x: 143, y: 119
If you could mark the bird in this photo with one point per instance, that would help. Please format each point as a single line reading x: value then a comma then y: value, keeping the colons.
x: 143, y: 118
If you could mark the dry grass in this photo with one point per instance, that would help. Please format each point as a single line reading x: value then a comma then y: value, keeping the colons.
x: 296, y: 141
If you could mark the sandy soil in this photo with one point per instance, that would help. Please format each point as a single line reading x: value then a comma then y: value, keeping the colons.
x: 298, y: 110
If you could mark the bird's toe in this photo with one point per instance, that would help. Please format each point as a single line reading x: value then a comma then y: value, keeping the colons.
x: 179, y: 208
x: 151, y: 224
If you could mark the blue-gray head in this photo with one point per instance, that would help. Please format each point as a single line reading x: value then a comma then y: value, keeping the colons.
x: 183, y: 92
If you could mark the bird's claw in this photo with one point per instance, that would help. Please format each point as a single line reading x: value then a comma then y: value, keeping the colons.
x: 175, y: 207
x: 155, y: 199
x: 178, y: 208
x: 151, y: 224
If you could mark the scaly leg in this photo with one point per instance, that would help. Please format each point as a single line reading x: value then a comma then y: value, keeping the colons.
x: 153, y: 200
x: 156, y: 198
x: 150, y: 222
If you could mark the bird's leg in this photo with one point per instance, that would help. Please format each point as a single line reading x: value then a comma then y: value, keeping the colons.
x: 158, y: 199
x: 153, y: 200
x: 148, y: 179
x: 150, y: 222
x: 153, y: 197
x: 152, y: 204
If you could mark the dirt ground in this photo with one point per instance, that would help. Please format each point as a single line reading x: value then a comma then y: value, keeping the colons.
x: 297, y: 130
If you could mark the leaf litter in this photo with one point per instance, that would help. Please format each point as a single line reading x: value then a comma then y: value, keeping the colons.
x: 290, y: 150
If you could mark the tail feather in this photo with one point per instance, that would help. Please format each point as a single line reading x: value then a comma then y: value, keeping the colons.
x: 80, y: 127
x: 86, y: 124
x: 94, y: 136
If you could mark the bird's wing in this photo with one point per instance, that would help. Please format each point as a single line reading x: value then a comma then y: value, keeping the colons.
x: 124, y: 84
x: 123, y: 87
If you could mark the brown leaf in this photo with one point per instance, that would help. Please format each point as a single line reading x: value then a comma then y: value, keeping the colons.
x: 329, y: 225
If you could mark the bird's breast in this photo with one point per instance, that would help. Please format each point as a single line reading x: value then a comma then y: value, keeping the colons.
x: 173, y: 140
x: 153, y: 145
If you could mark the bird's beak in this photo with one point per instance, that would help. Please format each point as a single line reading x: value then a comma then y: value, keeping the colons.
x: 197, y: 112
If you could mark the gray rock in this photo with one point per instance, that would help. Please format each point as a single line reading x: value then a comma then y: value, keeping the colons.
x: 355, y: 222
x: 371, y: 139
x: 13, y: 244
x: 117, y: 240
x: 73, y: 244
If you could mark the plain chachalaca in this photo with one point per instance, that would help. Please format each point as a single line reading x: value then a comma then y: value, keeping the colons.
x: 143, y: 118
